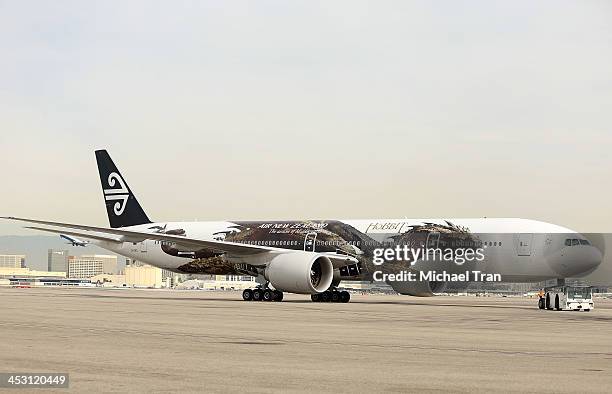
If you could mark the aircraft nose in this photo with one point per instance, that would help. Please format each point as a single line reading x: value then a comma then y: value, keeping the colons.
x: 576, y: 260
x: 595, y: 258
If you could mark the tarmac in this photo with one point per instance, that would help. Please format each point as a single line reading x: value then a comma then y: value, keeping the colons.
x: 130, y: 340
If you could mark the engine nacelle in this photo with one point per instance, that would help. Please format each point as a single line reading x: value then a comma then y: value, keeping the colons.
x: 418, y: 288
x: 300, y: 272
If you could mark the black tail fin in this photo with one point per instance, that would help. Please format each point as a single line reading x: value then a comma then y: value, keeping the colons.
x: 121, y: 205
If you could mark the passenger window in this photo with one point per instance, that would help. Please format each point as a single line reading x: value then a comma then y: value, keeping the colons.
x: 568, y: 242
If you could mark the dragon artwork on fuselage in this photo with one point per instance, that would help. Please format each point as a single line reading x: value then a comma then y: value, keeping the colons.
x: 322, y: 236
x: 431, y: 235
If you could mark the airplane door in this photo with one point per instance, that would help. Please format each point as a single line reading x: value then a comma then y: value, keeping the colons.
x: 524, y: 244
x: 309, y: 242
x: 432, y: 240
x: 143, y: 247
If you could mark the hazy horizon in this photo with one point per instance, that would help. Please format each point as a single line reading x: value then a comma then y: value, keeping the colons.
x: 309, y: 110
x: 35, y: 247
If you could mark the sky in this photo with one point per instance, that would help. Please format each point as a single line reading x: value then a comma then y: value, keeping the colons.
x: 291, y: 110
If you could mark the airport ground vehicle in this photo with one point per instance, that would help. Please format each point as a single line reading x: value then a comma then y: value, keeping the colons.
x: 567, y: 298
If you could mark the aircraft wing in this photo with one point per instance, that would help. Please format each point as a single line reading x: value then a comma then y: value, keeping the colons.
x: 97, y: 237
x: 139, y: 236
x: 106, y: 234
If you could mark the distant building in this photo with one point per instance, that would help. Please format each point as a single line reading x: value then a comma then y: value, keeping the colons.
x: 12, y: 260
x: 34, y: 281
x: 168, y: 278
x: 220, y: 282
x: 229, y: 282
x: 360, y: 285
x: 234, y: 278
x: 57, y: 260
x: 109, y: 262
x: 7, y: 272
x: 87, y: 266
x: 143, y: 275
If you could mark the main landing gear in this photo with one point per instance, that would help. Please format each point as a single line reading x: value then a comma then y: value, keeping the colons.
x: 331, y: 296
x: 262, y: 294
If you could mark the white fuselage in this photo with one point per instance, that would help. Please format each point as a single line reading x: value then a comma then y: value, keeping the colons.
x: 521, y: 250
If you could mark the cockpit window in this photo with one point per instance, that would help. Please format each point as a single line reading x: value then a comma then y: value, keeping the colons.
x: 584, y: 242
x: 575, y: 242
x: 568, y: 242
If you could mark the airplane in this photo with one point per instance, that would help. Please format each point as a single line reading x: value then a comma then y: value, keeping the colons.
x: 73, y: 241
x: 313, y: 257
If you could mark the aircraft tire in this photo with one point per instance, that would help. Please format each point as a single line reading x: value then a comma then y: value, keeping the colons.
x: 325, y: 296
x: 335, y: 296
x: 345, y: 296
x: 247, y: 295
x: 257, y: 295
x: 267, y: 295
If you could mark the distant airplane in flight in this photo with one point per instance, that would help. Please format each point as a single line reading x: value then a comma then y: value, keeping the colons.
x: 73, y: 241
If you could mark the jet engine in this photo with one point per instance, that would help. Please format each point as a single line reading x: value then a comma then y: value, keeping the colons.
x: 418, y: 288
x: 300, y: 272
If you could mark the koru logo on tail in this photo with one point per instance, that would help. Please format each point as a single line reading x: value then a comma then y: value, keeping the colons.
x: 117, y: 193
